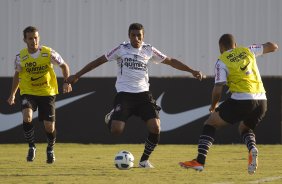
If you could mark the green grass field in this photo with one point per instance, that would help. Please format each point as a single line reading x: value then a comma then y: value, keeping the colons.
x: 92, y: 163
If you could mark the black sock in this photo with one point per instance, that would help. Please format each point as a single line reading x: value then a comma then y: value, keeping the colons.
x: 29, y: 133
x: 205, y: 142
x: 51, y: 139
x: 249, y: 139
x: 150, y: 144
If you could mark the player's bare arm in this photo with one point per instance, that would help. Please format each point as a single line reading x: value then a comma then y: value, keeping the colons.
x: 90, y: 66
x: 15, y: 86
x: 269, y: 47
x: 216, y: 95
x: 181, y: 66
x: 66, y: 72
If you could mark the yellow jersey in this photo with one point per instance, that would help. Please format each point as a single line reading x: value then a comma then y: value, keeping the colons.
x: 244, y: 76
x: 37, y: 76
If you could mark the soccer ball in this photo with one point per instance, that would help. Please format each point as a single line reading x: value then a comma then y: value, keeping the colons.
x: 124, y: 160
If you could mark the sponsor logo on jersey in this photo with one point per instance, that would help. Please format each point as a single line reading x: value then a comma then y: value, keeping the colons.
x: 134, y: 64
x: 255, y: 46
x: 44, y: 54
x: 36, y: 78
x: 39, y: 84
x: 158, y: 54
x: 24, y: 57
x: 127, y: 46
x: 37, y: 69
x: 244, y: 67
x: 236, y: 58
x: 217, y: 67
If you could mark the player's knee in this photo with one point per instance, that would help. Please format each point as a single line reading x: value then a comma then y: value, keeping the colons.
x: 49, y: 127
x: 116, y: 131
x: 155, y: 131
x: 215, y: 121
x: 211, y: 123
x: 244, y: 128
x: 117, y: 127
x: 27, y: 119
x: 155, y: 128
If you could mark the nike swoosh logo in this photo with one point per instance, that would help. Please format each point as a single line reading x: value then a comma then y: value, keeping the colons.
x: 244, y: 68
x: 9, y: 121
x: 34, y: 79
x: 173, y: 121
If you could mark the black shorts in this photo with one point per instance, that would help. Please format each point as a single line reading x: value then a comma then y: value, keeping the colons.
x: 139, y: 104
x: 250, y: 112
x: 45, y: 105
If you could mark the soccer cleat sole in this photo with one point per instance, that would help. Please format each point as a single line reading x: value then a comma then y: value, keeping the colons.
x: 50, y: 161
x: 253, y: 161
x: 29, y: 160
x: 50, y: 157
x: 196, y: 168
x: 146, y: 166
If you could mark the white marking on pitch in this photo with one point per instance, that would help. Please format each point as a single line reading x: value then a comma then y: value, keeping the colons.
x: 268, y: 179
x: 262, y: 180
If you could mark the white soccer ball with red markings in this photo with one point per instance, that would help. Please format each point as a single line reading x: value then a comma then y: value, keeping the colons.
x: 124, y: 160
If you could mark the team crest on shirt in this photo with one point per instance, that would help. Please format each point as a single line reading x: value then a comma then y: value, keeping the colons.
x: 146, y: 47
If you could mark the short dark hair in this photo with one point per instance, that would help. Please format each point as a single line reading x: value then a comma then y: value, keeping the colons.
x: 29, y: 29
x: 227, y: 40
x: 135, y: 26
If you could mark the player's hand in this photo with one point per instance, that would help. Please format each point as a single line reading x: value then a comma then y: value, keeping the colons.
x: 11, y: 100
x: 67, y: 87
x: 212, y: 109
x: 72, y: 79
x: 198, y: 75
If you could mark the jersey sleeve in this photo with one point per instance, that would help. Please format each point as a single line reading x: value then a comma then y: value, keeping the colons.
x: 221, y: 72
x: 56, y: 58
x: 157, y: 56
x: 113, y: 54
x: 256, y: 49
x: 17, y: 64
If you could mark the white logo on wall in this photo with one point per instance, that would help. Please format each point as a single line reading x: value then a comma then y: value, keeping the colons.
x: 173, y: 121
x: 168, y: 121
x: 9, y: 121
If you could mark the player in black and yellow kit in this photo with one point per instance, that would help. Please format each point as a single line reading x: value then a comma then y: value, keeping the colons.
x: 236, y: 67
x: 37, y: 81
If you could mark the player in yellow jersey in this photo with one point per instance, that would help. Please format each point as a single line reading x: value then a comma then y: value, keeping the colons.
x: 37, y: 81
x: 236, y: 68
